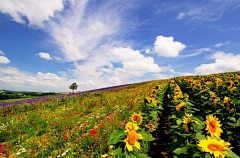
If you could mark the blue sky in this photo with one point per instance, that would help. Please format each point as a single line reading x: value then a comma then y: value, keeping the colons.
x: 47, y: 45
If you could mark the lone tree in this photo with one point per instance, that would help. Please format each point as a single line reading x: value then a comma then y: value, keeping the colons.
x: 73, y: 86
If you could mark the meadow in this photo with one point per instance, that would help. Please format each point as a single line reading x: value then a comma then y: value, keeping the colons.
x: 201, y: 115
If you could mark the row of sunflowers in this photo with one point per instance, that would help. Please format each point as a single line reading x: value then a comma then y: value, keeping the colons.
x: 135, y: 140
x: 205, y: 115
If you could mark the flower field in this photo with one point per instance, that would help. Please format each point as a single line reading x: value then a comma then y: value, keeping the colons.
x: 201, y: 116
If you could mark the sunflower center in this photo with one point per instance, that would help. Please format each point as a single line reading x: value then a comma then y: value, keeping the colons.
x: 132, y: 137
x: 136, y: 118
x: 215, y: 147
x: 212, y: 127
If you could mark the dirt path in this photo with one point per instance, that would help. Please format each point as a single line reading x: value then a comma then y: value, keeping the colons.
x: 163, y: 140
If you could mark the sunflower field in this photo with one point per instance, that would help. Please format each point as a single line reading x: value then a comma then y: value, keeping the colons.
x: 183, y: 117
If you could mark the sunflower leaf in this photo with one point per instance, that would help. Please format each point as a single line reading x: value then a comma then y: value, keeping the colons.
x: 232, y: 154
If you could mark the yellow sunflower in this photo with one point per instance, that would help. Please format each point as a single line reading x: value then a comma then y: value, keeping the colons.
x: 215, y: 147
x: 233, y: 90
x: 213, y: 126
x: 131, y: 126
x: 179, y: 106
x: 215, y: 101
x: 186, y: 120
x: 213, y: 95
x: 131, y: 140
x: 137, y: 118
x: 154, y: 101
x: 226, y: 100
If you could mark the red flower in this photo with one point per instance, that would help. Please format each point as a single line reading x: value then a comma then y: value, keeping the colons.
x: 110, y: 113
x: 108, y: 118
x: 101, y: 125
x: 93, y: 131
x: 66, y: 116
x: 150, y: 125
x: 65, y: 137
x: 75, y: 113
x: 85, y: 114
x: 81, y: 114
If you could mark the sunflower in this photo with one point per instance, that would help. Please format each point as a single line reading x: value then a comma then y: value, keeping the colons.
x: 215, y: 101
x: 218, y: 81
x: 179, y: 106
x: 137, y: 118
x: 213, y: 95
x: 131, y: 126
x: 213, y: 126
x: 233, y: 90
x: 154, y: 101
x: 131, y: 140
x: 226, y: 100
x: 215, y: 147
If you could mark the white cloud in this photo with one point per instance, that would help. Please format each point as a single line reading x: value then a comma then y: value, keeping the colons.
x: 36, y: 11
x: 14, y: 79
x: 134, y: 62
x: 224, y: 62
x: 45, y: 55
x: 78, y: 34
x: 57, y: 58
x: 181, y: 16
x: 197, y: 52
x: 212, y: 11
x: 2, y: 53
x: 167, y: 47
x: 4, y: 60
x: 147, y: 51
x: 217, y: 45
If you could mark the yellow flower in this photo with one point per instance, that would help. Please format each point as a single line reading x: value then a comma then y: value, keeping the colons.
x: 215, y: 147
x: 179, y: 106
x: 215, y: 101
x: 218, y: 81
x: 110, y: 147
x: 137, y: 118
x: 106, y: 156
x: 226, y: 100
x: 148, y: 99
x: 213, y: 126
x: 230, y: 84
x: 213, y: 95
x: 154, y: 102
x: 131, y: 140
x: 232, y: 90
x: 131, y: 126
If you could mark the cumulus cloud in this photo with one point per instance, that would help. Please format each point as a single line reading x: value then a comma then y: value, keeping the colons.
x: 14, y: 79
x: 4, y: 60
x: 223, y: 62
x: 45, y: 55
x: 134, y: 62
x: 36, y: 11
x: 167, y: 47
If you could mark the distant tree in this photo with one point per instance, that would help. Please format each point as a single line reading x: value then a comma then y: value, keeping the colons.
x: 73, y: 86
